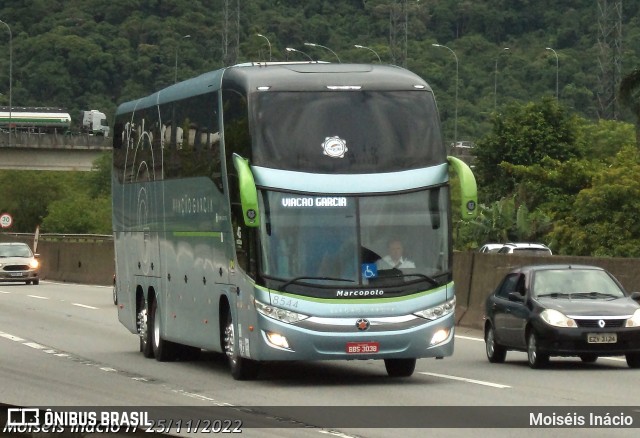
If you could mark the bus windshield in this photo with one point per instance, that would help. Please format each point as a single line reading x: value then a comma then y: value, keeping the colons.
x: 385, y: 131
x: 355, y: 241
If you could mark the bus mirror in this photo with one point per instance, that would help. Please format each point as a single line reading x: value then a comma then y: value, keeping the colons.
x: 248, y: 192
x: 468, y: 188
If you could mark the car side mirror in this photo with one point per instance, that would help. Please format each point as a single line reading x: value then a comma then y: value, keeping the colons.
x: 635, y: 296
x: 37, y: 256
x: 515, y: 296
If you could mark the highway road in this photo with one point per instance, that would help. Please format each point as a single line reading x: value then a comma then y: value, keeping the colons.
x: 62, y: 345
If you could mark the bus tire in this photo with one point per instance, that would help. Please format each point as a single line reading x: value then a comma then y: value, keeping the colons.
x: 400, y: 367
x: 144, y: 330
x: 241, y: 368
x: 162, y: 350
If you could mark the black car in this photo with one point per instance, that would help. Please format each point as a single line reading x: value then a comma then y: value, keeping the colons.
x: 562, y: 310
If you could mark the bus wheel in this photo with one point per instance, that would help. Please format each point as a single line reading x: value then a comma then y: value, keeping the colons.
x: 400, y: 367
x: 241, y: 368
x: 143, y: 331
x: 162, y: 350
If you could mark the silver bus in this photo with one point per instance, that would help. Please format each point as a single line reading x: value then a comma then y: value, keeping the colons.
x: 255, y: 207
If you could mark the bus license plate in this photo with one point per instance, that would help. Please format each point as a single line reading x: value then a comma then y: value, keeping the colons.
x: 602, y: 338
x: 362, y: 347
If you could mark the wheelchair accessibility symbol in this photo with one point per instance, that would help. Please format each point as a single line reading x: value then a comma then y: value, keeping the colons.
x: 369, y: 270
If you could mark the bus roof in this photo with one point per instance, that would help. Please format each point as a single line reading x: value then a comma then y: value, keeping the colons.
x: 286, y: 76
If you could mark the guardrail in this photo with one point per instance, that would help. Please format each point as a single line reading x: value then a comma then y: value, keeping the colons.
x: 54, y: 141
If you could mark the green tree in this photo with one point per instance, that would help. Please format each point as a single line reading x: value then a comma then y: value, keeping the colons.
x: 604, y: 219
x: 523, y: 135
x: 629, y: 92
x: 502, y: 221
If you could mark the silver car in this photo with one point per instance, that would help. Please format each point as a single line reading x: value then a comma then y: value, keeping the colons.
x: 18, y: 263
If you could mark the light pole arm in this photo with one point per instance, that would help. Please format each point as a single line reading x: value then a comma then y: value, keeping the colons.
x: 324, y: 47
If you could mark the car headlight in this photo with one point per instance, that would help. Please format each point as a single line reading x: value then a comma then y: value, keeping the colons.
x: 438, y: 311
x: 34, y: 264
x: 557, y: 319
x: 279, y: 313
x: 634, y: 321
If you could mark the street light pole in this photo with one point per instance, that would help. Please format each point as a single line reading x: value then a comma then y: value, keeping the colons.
x: 268, y: 42
x: 10, y: 77
x: 495, y: 82
x: 369, y: 48
x: 455, y: 123
x: 554, y: 52
x: 318, y: 45
x: 291, y: 49
x: 175, y: 74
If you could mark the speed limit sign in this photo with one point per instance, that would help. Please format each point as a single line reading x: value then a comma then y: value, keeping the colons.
x: 5, y: 220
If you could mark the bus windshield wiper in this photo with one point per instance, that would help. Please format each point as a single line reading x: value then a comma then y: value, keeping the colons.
x: 397, y: 273
x: 297, y: 279
x: 431, y: 280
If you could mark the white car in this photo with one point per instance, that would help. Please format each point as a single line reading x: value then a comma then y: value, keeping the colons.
x: 525, y: 249
x: 18, y: 263
x: 491, y: 247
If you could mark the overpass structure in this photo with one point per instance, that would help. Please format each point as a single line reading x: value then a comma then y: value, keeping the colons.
x: 33, y: 151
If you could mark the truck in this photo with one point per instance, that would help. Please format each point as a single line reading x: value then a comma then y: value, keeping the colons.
x: 94, y: 122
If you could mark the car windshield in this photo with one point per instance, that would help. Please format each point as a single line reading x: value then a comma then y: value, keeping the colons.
x: 15, y: 251
x: 575, y: 283
x: 352, y: 241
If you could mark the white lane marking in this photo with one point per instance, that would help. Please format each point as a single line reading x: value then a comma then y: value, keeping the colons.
x: 4, y: 292
x: 108, y: 369
x: 11, y: 337
x: 617, y: 359
x: 463, y: 379
x: 468, y: 338
x: 34, y: 345
x: 85, y: 306
x: 38, y: 297
x: 337, y: 433
x: 201, y: 397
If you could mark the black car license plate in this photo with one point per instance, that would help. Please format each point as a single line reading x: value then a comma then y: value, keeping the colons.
x: 602, y: 338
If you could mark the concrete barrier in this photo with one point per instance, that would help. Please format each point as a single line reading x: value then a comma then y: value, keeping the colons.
x: 90, y: 259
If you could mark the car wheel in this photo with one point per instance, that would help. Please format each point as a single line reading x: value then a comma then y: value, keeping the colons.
x: 28, y: 282
x: 496, y: 353
x: 535, y: 358
x: 241, y: 368
x: 162, y: 350
x: 400, y: 367
x: 589, y: 358
x: 633, y: 360
x: 36, y: 282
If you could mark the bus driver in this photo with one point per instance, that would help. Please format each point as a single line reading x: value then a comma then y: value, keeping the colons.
x: 395, y: 259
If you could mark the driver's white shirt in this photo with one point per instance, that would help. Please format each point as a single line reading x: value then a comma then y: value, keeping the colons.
x: 402, y: 263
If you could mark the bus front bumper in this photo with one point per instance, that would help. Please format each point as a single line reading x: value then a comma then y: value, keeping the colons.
x: 351, y: 339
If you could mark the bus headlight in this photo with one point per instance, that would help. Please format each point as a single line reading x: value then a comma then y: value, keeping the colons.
x: 279, y: 313
x: 440, y: 311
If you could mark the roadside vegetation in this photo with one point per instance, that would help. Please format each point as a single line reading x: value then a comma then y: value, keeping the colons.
x: 550, y: 167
